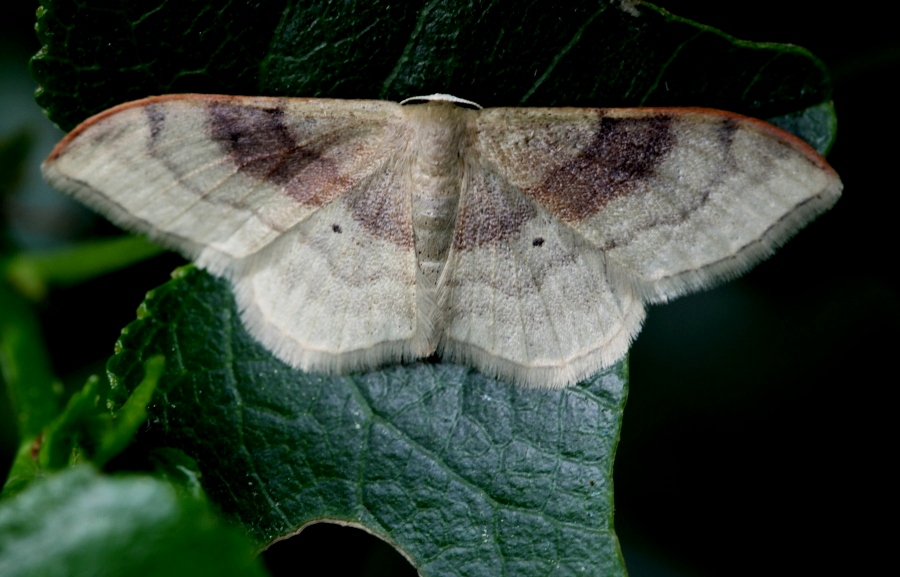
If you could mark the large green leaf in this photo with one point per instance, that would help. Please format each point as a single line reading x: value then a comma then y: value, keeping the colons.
x: 80, y: 524
x: 466, y: 475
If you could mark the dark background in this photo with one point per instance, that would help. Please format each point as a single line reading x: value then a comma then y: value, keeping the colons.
x: 755, y: 437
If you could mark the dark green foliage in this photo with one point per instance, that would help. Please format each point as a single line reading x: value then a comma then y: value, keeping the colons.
x: 495, y: 52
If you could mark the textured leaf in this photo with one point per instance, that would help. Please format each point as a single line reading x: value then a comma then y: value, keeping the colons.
x: 80, y: 524
x: 817, y: 125
x: 499, y: 52
x: 466, y: 475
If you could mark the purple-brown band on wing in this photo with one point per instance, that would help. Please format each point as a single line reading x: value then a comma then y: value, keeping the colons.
x: 492, y: 210
x: 624, y: 151
x: 380, y: 207
x: 261, y: 145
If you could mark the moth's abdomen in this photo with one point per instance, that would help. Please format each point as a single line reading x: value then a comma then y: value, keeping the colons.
x: 432, y: 222
x: 438, y: 152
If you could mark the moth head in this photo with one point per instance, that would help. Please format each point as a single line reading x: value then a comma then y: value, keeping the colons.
x: 443, y: 98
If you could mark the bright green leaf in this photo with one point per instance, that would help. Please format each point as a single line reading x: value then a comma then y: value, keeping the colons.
x: 65, y: 438
x: 131, y: 415
x: 88, y: 431
x: 24, y: 365
x: 24, y: 469
x: 33, y: 272
x: 80, y: 524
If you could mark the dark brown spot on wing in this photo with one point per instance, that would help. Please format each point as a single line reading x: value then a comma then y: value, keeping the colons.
x: 259, y: 142
x: 490, y: 210
x: 624, y: 151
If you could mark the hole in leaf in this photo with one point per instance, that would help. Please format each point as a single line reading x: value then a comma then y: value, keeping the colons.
x: 330, y: 549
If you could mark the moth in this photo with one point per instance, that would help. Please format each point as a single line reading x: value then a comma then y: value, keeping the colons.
x: 524, y: 242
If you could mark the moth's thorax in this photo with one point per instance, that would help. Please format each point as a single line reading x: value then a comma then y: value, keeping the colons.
x: 438, y: 154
